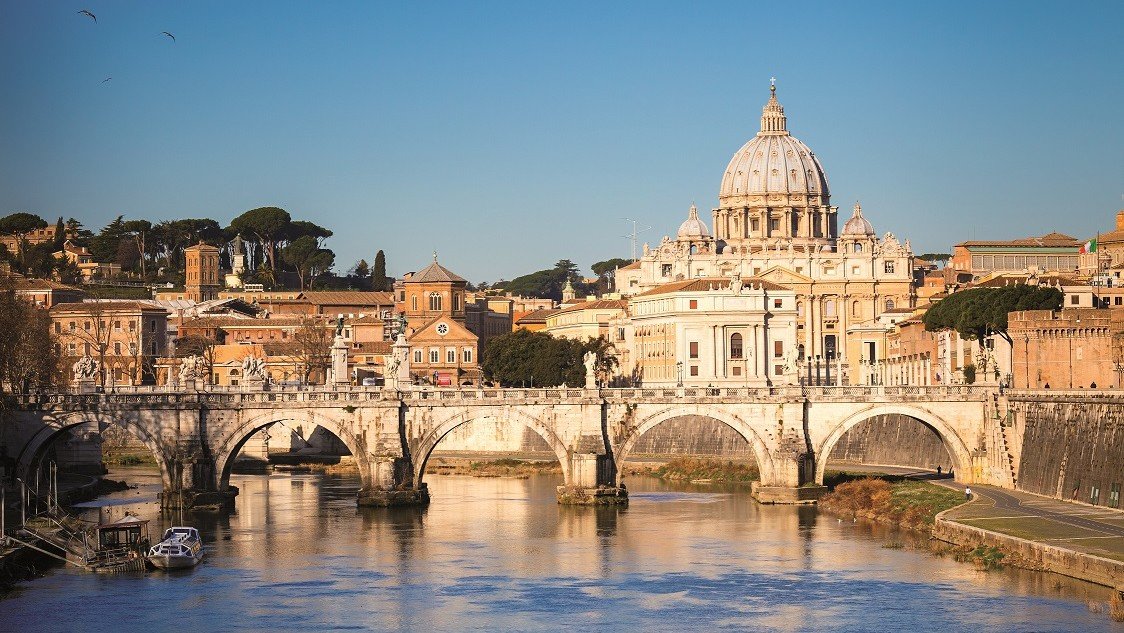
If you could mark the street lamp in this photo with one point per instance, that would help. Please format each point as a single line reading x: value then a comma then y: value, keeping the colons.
x: 679, y: 373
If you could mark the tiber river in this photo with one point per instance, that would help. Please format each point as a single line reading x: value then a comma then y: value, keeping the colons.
x: 501, y: 555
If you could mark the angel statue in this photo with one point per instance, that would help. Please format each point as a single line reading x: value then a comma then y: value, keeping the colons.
x: 253, y: 368
x: 85, y: 368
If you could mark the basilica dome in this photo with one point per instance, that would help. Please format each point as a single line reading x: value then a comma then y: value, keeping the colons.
x: 858, y: 226
x: 773, y: 162
x: 693, y: 227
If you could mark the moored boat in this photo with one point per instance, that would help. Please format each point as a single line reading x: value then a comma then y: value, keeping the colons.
x: 180, y: 548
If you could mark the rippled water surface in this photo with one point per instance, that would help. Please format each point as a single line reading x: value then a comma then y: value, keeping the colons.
x: 500, y: 554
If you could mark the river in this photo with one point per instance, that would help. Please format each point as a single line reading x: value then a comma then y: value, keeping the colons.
x: 500, y: 554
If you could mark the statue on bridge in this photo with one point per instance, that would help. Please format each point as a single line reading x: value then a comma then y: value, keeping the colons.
x: 590, y: 361
x: 86, y: 368
x: 191, y: 368
x: 253, y: 368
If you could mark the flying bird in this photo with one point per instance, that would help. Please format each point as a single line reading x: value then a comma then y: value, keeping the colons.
x: 170, y: 35
x: 87, y: 13
x: 106, y: 79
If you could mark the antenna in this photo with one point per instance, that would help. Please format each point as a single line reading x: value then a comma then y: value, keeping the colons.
x: 636, y: 230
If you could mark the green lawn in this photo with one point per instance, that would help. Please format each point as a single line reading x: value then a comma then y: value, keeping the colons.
x: 1031, y: 528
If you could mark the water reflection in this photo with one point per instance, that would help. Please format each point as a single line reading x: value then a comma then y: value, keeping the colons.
x: 501, y: 554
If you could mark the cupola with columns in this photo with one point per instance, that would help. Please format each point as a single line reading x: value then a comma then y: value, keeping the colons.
x: 774, y: 188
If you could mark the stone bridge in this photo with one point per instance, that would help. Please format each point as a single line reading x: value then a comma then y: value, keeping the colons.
x: 195, y: 435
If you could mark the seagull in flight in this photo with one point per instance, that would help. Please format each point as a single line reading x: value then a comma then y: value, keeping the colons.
x: 170, y: 35
x: 86, y: 12
x: 106, y: 79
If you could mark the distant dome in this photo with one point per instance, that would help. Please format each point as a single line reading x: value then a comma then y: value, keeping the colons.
x: 693, y: 227
x: 773, y: 162
x: 858, y: 226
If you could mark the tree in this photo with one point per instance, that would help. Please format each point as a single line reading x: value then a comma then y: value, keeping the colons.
x: 307, y: 258
x: 139, y: 230
x: 29, y: 353
x: 60, y: 235
x: 94, y: 331
x: 547, y: 284
x: 975, y: 312
x: 935, y: 257
x: 379, y: 280
x: 104, y: 245
x: 311, y: 348
x: 20, y: 224
x: 301, y: 228
x: 269, y: 225
x: 523, y: 358
x: 609, y: 265
x: 361, y: 270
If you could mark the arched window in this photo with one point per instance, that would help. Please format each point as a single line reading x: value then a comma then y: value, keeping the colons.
x: 855, y: 308
x: 736, y: 345
x: 456, y: 301
x: 414, y: 303
x: 858, y: 247
x: 889, y: 304
x: 434, y: 301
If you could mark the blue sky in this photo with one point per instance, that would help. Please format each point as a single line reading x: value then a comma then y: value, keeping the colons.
x: 507, y: 136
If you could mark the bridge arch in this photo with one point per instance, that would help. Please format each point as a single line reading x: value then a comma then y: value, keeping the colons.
x: 952, y: 441
x: 740, y: 426
x: 233, y: 439
x: 53, y: 427
x: 425, y: 447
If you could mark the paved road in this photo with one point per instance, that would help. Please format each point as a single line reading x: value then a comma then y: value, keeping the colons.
x: 1017, y: 503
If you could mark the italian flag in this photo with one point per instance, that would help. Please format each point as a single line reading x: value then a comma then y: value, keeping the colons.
x: 1088, y: 247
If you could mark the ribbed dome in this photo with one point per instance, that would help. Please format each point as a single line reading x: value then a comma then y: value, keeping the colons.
x: 773, y: 161
x: 858, y: 226
x: 693, y: 227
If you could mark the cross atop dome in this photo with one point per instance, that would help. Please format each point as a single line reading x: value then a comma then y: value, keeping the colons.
x: 773, y: 121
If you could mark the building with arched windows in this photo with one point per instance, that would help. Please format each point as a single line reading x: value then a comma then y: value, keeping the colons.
x: 443, y: 351
x: 775, y: 223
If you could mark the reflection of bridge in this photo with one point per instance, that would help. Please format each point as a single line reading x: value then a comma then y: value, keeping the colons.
x: 195, y: 435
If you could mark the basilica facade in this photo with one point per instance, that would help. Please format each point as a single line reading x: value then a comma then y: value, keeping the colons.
x: 776, y: 231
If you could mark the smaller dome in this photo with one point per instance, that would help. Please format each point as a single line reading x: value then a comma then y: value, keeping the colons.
x: 693, y: 227
x: 858, y: 226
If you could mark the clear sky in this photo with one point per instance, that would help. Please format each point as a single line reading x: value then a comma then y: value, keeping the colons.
x: 507, y: 136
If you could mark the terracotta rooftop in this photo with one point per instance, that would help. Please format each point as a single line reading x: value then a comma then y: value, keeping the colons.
x: 23, y: 283
x: 88, y: 307
x: 434, y: 273
x: 599, y: 304
x: 538, y: 316
x: 348, y: 297
x: 633, y: 266
x: 707, y: 284
x: 1054, y: 239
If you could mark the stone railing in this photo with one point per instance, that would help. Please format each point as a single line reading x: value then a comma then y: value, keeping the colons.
x: 236, y: 396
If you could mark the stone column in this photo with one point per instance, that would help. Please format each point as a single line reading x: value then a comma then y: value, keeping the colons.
x: 592, y: 482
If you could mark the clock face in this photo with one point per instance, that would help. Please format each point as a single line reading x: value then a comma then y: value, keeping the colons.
x: 442, y: 329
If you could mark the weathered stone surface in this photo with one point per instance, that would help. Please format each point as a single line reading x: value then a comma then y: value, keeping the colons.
x: 1071, y: 445
x: 384, y: 498
x: 787, y: 495
x: 892, y: 440
x: 600, y: 496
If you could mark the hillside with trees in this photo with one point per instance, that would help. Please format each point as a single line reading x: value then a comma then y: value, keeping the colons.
x: 280, y: 251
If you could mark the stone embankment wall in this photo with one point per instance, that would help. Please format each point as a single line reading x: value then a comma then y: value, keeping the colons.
x: 1072, y: 446
x: 1067, y: 562
x: 693, y: 435
x: 891, y: 440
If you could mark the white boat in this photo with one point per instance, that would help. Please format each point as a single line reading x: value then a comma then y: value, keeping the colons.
x: 180, y: 548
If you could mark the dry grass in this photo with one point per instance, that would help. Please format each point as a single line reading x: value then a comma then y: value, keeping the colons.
x: 1116, y: 606
x: 909, y: 504
x: 701, y: 469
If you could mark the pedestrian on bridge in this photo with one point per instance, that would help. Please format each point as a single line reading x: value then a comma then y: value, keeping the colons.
x: 967, y: 493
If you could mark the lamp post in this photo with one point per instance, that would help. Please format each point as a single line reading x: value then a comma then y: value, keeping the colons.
x: 679, y: 373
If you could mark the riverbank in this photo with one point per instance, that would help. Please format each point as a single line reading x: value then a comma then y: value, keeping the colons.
x: 700, y: 470
x: 890, y: 499
x: 1043, y: 534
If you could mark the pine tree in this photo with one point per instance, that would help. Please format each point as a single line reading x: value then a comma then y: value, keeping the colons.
x: 378, y: 275
x: 362, y: 269
x: 60, y: 234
